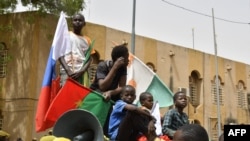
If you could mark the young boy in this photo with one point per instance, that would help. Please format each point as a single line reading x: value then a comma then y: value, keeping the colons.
x: 175, y: 118
x: 75, y: 64
x: 191, y: 132
x: 147, y: 102
x: 111, y: 76
x: 127, y: 121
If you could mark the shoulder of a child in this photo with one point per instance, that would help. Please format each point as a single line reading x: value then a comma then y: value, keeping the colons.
x: 171, y: 110
x: 145, y: 109
x: 103, y: 64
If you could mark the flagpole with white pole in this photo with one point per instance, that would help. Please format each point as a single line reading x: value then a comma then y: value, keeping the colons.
x: 217, y: 79
x: 133, y: 29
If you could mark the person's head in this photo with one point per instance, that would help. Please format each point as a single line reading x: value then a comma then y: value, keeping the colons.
x: 147, y: 100
x: 78, y: 22
x: 128, y: 94
x: 120, y: 51
x: 180, y: 100
x: 50, y: 132
x: 191, y: 132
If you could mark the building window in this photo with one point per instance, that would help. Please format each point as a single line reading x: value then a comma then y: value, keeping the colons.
x: 3, y: 59
x: 92, y: 71
x: 194, y: 88
x: 93, y: 66
x: 214, y: 91
x: 213, y: 129
x: 1, y: 119
x: 248, y: 101
x: 151, y: 66
x: 241, y: 95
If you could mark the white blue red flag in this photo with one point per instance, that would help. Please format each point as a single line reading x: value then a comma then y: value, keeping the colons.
x: 60, y: 46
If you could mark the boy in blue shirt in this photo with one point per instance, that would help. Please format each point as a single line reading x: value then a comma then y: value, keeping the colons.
x: 128, y: 121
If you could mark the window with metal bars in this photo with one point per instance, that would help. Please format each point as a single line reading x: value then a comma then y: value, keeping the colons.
x: 1, y: 120
x: 248, y: 101
x: 241, y: 96
x: 3, y: 59
x: 193, y: 95
x: 213, y: 130
x: 214, y: 92
x: 92, y: 70
x: 194, y: 88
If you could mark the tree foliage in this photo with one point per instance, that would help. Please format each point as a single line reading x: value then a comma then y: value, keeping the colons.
x: 7, y: 6
x: 70, y: 7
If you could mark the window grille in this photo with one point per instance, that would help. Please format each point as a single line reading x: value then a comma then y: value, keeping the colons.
x: 193, y: 95
x: 3, y: 59
x: 248, y: 101
x: 241, y: 96
x: 214, y: 93
x: 213, y: 130
x: 194, y: 88
x: 1, y: 120
x: 241, y: 99
x: 92, y: 70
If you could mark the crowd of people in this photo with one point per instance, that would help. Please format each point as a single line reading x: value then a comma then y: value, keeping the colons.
x: 126, y: 121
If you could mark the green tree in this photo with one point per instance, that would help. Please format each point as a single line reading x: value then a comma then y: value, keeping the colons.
x: 7, y: 6
x: 70, y: 7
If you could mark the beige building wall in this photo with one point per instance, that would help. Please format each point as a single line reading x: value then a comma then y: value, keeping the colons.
x: 29, y: 37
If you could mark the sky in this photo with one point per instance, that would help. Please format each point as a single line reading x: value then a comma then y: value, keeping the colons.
x: 188, y: 23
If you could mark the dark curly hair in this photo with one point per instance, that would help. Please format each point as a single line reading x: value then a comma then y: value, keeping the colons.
x: 119, y: 51
x: 193, y: 132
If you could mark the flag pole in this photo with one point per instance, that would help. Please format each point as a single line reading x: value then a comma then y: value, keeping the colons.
x: 217, y: 79
x: 193, y: 36
x: 133, y: 29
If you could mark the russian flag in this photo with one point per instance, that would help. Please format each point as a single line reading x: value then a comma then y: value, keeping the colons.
x: 60, y: 46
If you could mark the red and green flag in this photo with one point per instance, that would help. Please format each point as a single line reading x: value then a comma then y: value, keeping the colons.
x: 75, y: 96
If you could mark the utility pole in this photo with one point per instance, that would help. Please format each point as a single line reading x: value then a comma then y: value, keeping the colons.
x: 217, y: 79
x: 133, y: 28
x: 193, y: 36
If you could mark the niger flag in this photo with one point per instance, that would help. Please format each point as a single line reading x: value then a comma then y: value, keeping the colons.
x: 145, y: 80
x: 72, y: 96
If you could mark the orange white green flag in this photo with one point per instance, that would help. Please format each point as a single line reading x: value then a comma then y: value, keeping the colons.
x: 145, y: 80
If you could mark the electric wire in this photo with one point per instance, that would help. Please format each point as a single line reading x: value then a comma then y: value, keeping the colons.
x: 236, y: 22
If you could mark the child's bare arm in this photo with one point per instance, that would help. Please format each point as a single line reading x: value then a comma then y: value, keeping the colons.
x: 133, y: 108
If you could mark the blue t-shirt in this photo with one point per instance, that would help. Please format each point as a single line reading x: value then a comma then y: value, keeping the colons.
x: 116, y: 117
